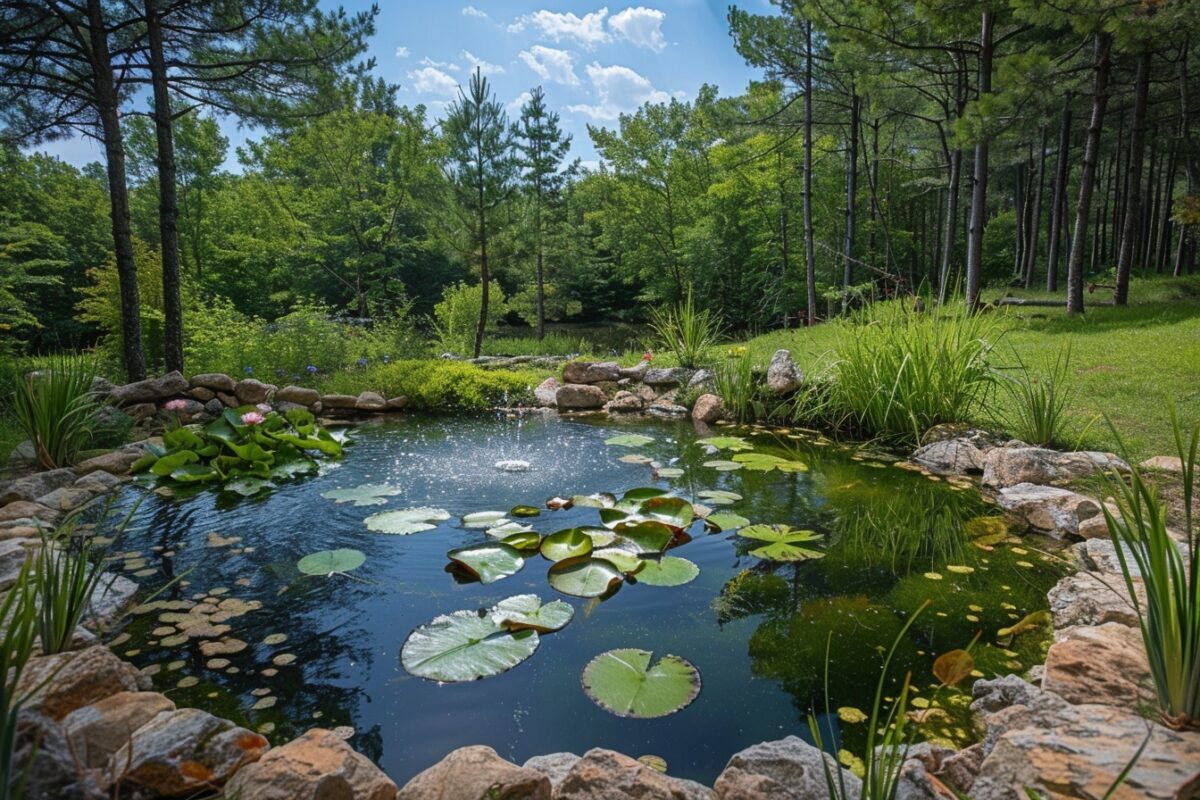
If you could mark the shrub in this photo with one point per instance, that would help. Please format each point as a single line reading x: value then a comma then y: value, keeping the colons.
x: 56, y: 410
x: 456, y: 316
x: 736, y: 384
x: 686, y: 331
x: 1039, y: 402
x: 558, y: 305
x: 441, y: 385
x: 554, y: 344
x: 66, y: 577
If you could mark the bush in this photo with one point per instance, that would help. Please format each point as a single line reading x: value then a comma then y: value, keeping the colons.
x: 686, y: 331
x: 1039, y: 402
x: 456, y: 317
x: 56, y: 410
x: 737, y: 385
x: 554, y: 344
x: 441, y: 385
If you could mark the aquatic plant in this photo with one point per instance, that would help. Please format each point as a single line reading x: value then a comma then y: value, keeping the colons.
x: 687, y: 331
x: 56, y: 410
x: 625, y: 683
x: 735, y: 382
x: 65, y: 577
x: 1038, y: 402
x: 19, y: 624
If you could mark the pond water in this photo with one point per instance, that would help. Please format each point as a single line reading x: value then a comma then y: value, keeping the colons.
x: 757, y: 631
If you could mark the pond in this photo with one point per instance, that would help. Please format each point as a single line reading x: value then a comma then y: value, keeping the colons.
x: 324, y: 650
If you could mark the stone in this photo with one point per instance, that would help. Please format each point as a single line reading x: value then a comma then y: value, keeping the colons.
x: 98, y: 481
x: 708, y: 408
x: 590, y: 371
x: 48, y: 762
x: 476, y: 772
x: 189, y: 412
x: 202, y: 393
x: 1105, y: 664
x: 97, y: 730
x: 397, y: 403
x: 228, y: 400
x: 1086, y: 599
x: 1164, y: 464
x: 251, y: 391
x: 338, y: 401
x: 672, y: 376
x: 950, y: 457
x: 26, y: 509
x: 574, y: 396
x: 181, y: 752
x: 608, y: 387
x: 149, y: 390
x: 608, y: 775
x: 554, y: 766
x: 544, y: 393
x: 1047, y: 509
x: 284, y: 406
x: 216, y: 381
x: 80, y: 678
x: 116, y: 463
x: 1009, y: 466
x: 624, y: 403
x: 370, y: 401
x: 13, y: 555
x: 31, y: 487
x: 665, y: 407
x: 704, y: 379
x: 67, y: 498
x: 215, y: 407
x: 300, y: 395
x: 783, y: 376
x: 316, y: 766
x: 140, y: 411
x: 100, y: 388
x: 113, y: 594
x: 787, y: 769
x: 645, y: 392
x: 634, y: 373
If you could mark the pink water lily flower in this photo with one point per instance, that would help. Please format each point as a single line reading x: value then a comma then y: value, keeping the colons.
x: 175, y: 405
x: 252, y: 418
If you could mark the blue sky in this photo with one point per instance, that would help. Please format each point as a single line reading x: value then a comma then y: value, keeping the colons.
x: 593, y: 60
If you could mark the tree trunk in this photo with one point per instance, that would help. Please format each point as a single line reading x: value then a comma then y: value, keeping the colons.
x: 851, y: 194
x: 810, y: 265
x: 1087, y: 181
x: 1020, y: 208
x: 952, y: 192
x: 114, y: 151
x: 1035, y: 221
x: 1133, y: 200
x: 168, y: 204
x: 980, y: 176
x: 541, y: 275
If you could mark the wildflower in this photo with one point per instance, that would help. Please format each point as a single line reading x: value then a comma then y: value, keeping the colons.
x: 648, y: 356
x: 251, y: 418
x: 362, y: 361
x: 310, y: 369
x: 248, y: 370
x: 175, y: 405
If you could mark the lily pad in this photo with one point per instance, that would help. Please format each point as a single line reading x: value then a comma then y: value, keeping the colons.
x: 489, y: 561
x: 643, y: 493
x: 465, y: 646
x: 670, y: 472
x: 629, y: 440
x: 667, y: 571
x: 783, y: 542
x: 723, y: 465
x: 570, y: 543
x: 369, y: 494
x: 484, y: 519
x: 584, y: 576
x: 674, y: 511
x: 525, y: 611
x: 635, y: 458
x: 524, y: 540
x: 734, y: 443
x: 598, y: 500
x: 719, y: 497
x: 625, y: 683
x: 648, y: 536
x: 624, y: 560
x: 508, y: 528
x: 328, y: 562
x: 726, y: 521
x: 407, y: 520
x: 525, y: 511
x: 601, y: 537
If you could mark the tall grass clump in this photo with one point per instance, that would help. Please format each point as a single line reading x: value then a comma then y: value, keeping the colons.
x: 688, y: 332
x: 65, y: 578
x: 1170, y: 615
x: 1038, y: 402
x: 736, y: 384
x: 56, y: 410
x: 901, y: 371
x: 18, y: 623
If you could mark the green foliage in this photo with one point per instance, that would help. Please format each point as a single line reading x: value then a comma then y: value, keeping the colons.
x: 66, y: 577
x: 19, y: 623
x: 439, y: 386
x: 552, y: 344
x: 56, y: 410
x: 1039, y: 402
x: 737, y: 386
x: 558, y: 305
x: 687, y: 331
x: 455, y: 318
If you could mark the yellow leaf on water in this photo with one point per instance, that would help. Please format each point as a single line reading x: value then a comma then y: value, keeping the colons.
x: 951, y: 667
x: 933, y: 576
x: 851, y: 714
x: 960, y: 569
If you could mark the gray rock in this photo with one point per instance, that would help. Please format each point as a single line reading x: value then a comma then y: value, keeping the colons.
x: 575, y: 396
x: 141, y: 411
x: 704, y: 379
x: 708, y: 409
x: 673, y: 376
x: 329, y: 401
x: 1057, y: 512
x: 215, y: 381
x: 64, y: 682
x: 316, y: 766
x: 663, y: 407
x: 590, y: 371
x: 215, y: 407
x: 608, y: 775
x: 13, y: 555
x: 201, y: 393
x: 554, y: 766
x: 1103, y: 664
x: 950, y: 457
x: 67, y: 498
x: 634, y: 373
x: 545, y: 393
x: 27, y: 509
x: 117, y: 462
x: 370, y: 401
x: 100, y: 388
x: 624, y: 403
x: 398, y: 403
x: 97, y: 730
x: 1164, y: 464
x: 787, y: 769
x: 31, y: 487
x: 98, y: 481
x: 1088, y: 599
x: 150, y: 390
x: 300, y: 395
x: 1009, y: 466
x: 476, y: 772
x: 783, y: 376
x: 114, y: 593
x: 250, y: 391
x: 52, y: 767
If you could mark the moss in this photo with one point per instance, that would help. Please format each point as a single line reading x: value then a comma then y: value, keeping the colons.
x: 441, y: 386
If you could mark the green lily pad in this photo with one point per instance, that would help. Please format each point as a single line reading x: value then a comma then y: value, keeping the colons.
x: 623, y: 560
x: 584, y: 576
x: 783, y: 542
x: 366, y: 495
x: 484, y: 519
x: 674, y: 511
x: 635, y: 458
x: 667, y: 571
x: 719, y: 497
x: 525, y: 540
x: 601, y: 537
x: 722, y: 465
x: 525, y: 611
x: 626, y: 684
x: 489, y: 561
x: 407, y: 520
x: 525, y: 511
x: 465, y: 646
x: 734, y: 443
x: 643, y: 493
x: 670, y: 472
x: 629, y: 440
x: 508, y: 528
x: 726, y: 520
x: 569, y: 543
x: 247, y: 486
x: 647, y: 536
x: 598, y: 500
x: 328, y: 562
x: 765, y: 462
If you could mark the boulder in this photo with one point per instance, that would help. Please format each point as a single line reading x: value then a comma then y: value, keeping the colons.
x: 113, y: 594
x: 950, y: 457
x: 476, y: 772
x: 673, y: 376
x: 624, y: 403
x: 667, y: 407
x: 338, y: 401
x: 783, y: 376
x: 67, y: 498
x: 1009, y: 466
x: 590, y: 371
x: 634, y: 373
x: 787, y: 769
x: 251, y: 391
x: 1164, y: 464
x: 141, y: 411
x: 228, y: 400
x: 1057, y: 512
x: 575, y: 396
x: 98, y: 482
x: 182, y: 752
x: 284, y: 406
x: 31, y: 487
x: 26, y: 509
x: 150, y: 390
x: 1104, y: 664
x: 397, y: 403
x: 215, y: 407
x: 704, y: 379
x: 708, y: 408
x: 608, y: 775
x: 317, y: 766
x: 80, y: 678
x: 13, y: 555
x: 50, y: 767
x: 116, y: 463
x: 97, y: 730
x: 216, y: 381
x: 370, y: 401
x: 300, y: 395
x: 201, y: 393
x: 1088, y: 599
x: 554, y: 766
x: 545, y: 393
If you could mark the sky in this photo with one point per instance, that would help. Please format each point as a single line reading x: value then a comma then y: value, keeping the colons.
x: 594, y: 61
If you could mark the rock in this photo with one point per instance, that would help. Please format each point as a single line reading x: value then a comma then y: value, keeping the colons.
x: 397, y: 403
x: 645, y: 392
x: 476, y: 772
x: 704, y: 379
x: 370, y: 401
x: 216, y: 381
x: 250, y: 391
x: 960, y: 769
x: 950, y: 457
x: 624, y: 403
x: 338, y: 401
x: 788, y: 769
x: 708, y: 408
x: 590, y: 371
x: 1085, y: 599
x: 51, y: 767
x: 181, y: 752
x: 80, y: 678
x: 117, y: 462
x: 300, y: 395
x: 1164, y: 464
x: 97, y: 730
x: 149, y: 391
x: 188, y: 413
x: 783, y: 376
x: 141, y: 411
x: 608, y: 387
x: 13, y: 555
x: 31, y: 487
x: 1009, y: 466
x: 673, y: 376
x: 113, y: 595
x: 608, y: 775
x: 554, y: 766
x: 228, y: 400
x: 1105, y: 664
x: 545, y: 393
x: 634, y: 373
x: 573, y: 396
x: 284, y: 406
x: 1047, y: 509
x: 26, y: 509
x: 67, y: 498
x: 316, y: 766
x: 100, y: 388
x: 215, y: 407
x: 202, y: 394
x: 98, y: 481
x: 664, y: 407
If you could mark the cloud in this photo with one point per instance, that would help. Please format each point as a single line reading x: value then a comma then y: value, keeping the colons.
x: 474, y: 61
x: 618, y: 90
x: 556, y: 66
x: 518, y: 101
x: 588, y: 30
x: 640, y: 26
x: 430, y: 80
x: 472, y: 11
x: 401, y: 52
x: 448, y: 66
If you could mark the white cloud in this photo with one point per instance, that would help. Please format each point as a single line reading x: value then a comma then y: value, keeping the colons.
x: 640, y: 26
x: 550, y: 64
x: 430, y: 80
x: 472, y: 11
x: 618, y: 90
x: 474, y: 61
x: 518, y: 101
x: 588, y: 30
x: 401, y: 52
x: 448, y: 66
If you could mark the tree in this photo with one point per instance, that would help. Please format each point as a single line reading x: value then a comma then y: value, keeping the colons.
x: 481, y: 169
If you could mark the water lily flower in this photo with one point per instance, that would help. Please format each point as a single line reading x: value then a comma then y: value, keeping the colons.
x: 252, y: 418
x: 175, y: 405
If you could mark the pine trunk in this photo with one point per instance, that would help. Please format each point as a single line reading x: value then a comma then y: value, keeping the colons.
x: 810, y: 266
x: 980, y: 176
x: 1137, y: 141
x: 851, y: 194
x: 1087, y: 181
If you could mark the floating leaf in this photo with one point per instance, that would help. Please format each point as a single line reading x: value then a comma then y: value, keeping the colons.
x: 673, y: 511
x: 327, y: 562
x: 648, y: 536
x: 465, y: 646
x: 959, y: 569
x: 765, y: 462
x: 933, y: 576
x: 851, y: 714
x: 629, y: 440
x: 525, y: 611
x: 407, y: 520
x: 667, y: 571
x: 952, y: 667
x: 733, y: 443
x: 524, y: 540
x: 656, y: 763
x: 626, y: 684
x: 623, y: 560
x: 1030, y: 622
x: 670, y: 472
x: 366, y: 495
x: 484, y: 519
x: 635, y: 458
x: 598, y: 500
x: 721, y: 465
x: 489, y: 561
x: 601, y: 537
x: 570, y: 543
x: 584, y: 576
x: 719, y: 497
x: 508, y: 528
x: 726, y: 521
x: 783, y: 542
x: 525, y: 511
x: 643, y: 493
